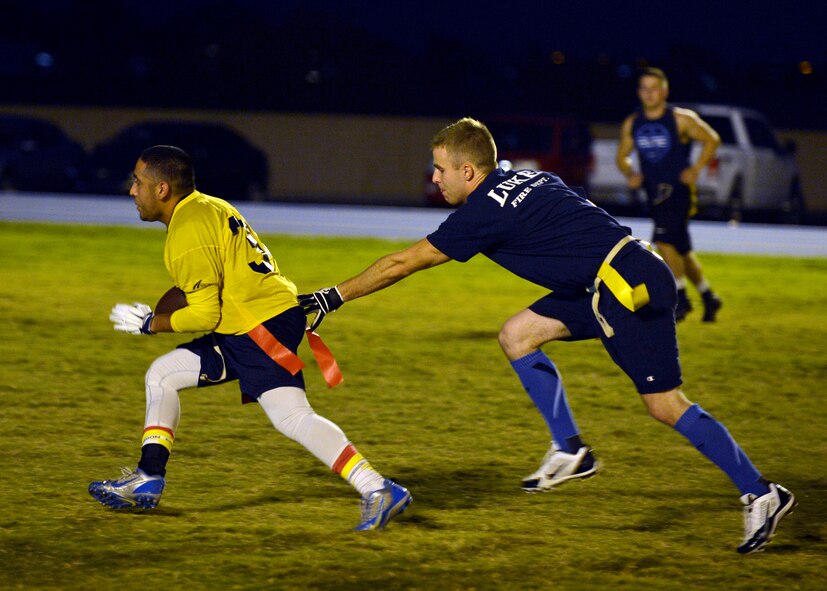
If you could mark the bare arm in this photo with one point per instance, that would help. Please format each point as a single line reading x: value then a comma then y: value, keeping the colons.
x: 624, y: 150
x: 161, y: 323
x: 392, y: 268
x: 691, y: 126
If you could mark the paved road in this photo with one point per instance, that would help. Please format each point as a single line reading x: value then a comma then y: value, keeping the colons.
x: 394, y: 223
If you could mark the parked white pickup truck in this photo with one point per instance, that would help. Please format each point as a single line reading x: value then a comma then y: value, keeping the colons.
x: 751, y: 175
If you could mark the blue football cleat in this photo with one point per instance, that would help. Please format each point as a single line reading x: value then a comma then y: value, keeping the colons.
x: 134, y: 489
x: 382, y: 505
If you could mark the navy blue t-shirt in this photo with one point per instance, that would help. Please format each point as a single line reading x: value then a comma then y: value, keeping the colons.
x: 660, y: 151
x: 532, y: 224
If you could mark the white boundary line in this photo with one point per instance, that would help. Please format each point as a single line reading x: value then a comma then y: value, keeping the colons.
x: 395, y: 223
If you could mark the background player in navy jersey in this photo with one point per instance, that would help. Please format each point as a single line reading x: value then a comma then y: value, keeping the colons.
x: 663, y: 137
x: 605, y: 284
x: 236, y: 293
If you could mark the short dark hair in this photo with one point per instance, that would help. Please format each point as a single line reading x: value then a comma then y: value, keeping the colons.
x: 171, y: 164
x: 656, y: 73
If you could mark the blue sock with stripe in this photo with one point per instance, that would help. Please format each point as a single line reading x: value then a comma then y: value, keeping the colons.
x: 713, y: 440
x: 542, y: 381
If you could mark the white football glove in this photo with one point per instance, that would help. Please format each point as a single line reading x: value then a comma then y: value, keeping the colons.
x: 132, y: 319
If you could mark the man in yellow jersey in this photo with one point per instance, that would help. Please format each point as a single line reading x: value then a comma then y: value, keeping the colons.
x: 236, y: 293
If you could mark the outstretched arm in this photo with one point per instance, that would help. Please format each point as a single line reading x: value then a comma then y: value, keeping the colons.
x: 391, y: 268
x: 384, y: 272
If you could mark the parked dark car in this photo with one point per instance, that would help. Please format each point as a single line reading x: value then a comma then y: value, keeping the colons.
x: 561, y: 145
x: 226, y: 164
x: 36, y: 155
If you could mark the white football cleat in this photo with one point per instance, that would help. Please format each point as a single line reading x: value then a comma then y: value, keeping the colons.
x: 559, y: 467
x: 761, y: 516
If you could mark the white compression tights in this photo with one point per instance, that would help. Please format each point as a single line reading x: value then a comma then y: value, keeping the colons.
x: 177, y: 370
x: 287, y: 408
x: 293, y: 416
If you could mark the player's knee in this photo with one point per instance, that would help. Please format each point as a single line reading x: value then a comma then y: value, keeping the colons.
x: 177, y: 370
x: 156, y: 373
x: 292, y: 424
x: 660, y: 415
x: 667, y: 407
x: 287, y: 409
x: 517, y: 342
x: 504, y: 337
x: 526, y: 332
x: 511, y: 338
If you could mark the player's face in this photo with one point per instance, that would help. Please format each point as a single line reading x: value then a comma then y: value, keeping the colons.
x: 451, y: 181
x: 652, y: 92
x: 144, y: 192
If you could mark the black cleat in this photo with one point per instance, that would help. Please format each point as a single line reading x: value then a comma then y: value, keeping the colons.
x: 684, y: 306
x: 712, y: 304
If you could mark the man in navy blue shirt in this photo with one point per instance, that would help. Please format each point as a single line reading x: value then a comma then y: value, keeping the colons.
x: 604, y: 284
x: 663, y: 136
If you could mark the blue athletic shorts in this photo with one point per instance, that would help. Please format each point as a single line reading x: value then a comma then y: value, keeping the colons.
x: 229, y: 357
x: 671, y: 214
x: 645, y: 344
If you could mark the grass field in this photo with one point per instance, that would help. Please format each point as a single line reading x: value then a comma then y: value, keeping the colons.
x: 431, y: 401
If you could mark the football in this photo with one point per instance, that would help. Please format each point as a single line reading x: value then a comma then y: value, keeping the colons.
x: 174, y: 299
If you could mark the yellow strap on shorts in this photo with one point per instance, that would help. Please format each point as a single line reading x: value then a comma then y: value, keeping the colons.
x: 632, y: 298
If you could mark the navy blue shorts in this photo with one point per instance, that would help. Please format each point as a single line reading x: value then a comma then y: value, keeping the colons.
x: 671, y: 207
x: 229, y: 357
x: 645, y: 344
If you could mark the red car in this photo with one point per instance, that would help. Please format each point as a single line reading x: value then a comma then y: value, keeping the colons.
x: 561, y: 145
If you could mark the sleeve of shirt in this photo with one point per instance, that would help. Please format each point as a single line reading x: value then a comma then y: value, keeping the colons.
x: 197, y: 272
x: 202, y: 312
x: 471, y: 229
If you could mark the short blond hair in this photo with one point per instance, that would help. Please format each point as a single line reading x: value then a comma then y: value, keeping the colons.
x: 468, y: 140
x: 655, y: 73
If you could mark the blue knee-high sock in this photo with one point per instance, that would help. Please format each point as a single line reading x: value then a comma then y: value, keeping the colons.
x: 543, y: 384
x: 713, y: 440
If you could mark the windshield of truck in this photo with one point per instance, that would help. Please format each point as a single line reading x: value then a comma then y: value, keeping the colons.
x: 723, y: 126
x: 760, y: 134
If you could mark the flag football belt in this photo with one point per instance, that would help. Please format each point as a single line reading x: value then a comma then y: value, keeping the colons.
x: 291, y: 362
x: 632, y: 298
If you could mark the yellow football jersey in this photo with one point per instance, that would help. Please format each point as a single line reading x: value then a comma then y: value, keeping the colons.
x: 231, y: 280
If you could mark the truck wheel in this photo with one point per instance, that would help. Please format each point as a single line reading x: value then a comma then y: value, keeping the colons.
x: 735, y: 203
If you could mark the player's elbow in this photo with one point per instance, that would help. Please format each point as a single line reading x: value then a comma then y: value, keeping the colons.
x: 211, y: 318
x: 401, y: 268
x: 401, y: 264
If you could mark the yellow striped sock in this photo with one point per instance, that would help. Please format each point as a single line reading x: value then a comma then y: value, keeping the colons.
x: 158, y: 435
x: 353, y: 467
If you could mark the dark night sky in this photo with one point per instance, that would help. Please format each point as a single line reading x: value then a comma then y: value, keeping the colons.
x: 713, y: 50
x: 733, y: 30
